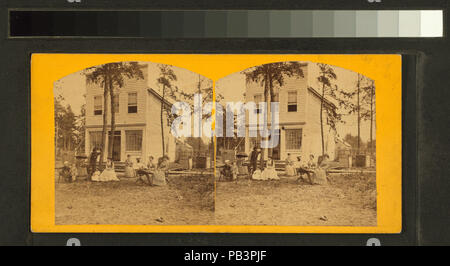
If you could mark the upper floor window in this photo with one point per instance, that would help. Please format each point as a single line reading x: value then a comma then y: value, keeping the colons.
x: 132, y: 102
x: 116, y: 103
x: 292, y: 101
x: 98, y: 105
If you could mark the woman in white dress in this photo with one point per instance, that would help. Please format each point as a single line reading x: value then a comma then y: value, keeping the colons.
x: 290, y: 170
x: 269, y: 172
x: 129, y: 170
x: 109, y: 174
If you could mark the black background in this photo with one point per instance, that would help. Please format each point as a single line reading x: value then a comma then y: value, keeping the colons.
x: 426, y: 184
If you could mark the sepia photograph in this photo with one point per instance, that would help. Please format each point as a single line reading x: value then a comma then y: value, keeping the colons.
x: 117, y: 160
x: 320, y: 169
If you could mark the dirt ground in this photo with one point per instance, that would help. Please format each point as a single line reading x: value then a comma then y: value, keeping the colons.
x: 349, y: 200
x: 187, y: 200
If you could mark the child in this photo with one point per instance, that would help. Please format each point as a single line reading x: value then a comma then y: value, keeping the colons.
x: 235, y: 170
x: 73, y: 173
x: 257, y: 174
x: 96, y: 175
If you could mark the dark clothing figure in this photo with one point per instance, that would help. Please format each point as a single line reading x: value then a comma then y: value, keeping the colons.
x: 227, y: 172
x: 149, y: 172
x: 253, y: 161
x: 93, y: 162
x: 301, y: 171
x: 66, y: 174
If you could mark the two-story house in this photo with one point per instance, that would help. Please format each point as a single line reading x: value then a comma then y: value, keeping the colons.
x: 299, y: 118
x: 138, y: 123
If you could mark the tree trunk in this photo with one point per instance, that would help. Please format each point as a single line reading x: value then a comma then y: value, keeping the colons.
x: 269, y: 112
x: 321, y: 118
x: 162, y: 120
x: 266, y: 99
x: 113, y: 119
x: 105, y: 121
x: 359, y: 117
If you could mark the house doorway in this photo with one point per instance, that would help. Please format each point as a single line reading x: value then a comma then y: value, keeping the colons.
x: 276, y: 151
x: 116, y: 146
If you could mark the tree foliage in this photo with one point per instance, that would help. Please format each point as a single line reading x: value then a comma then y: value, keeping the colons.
x: 270, y: 76
x: 111, y: 77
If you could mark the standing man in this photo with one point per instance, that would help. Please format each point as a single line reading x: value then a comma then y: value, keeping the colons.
x: 254, y: 155
x: 93, y: 162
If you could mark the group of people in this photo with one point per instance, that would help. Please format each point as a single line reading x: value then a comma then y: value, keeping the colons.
x: 256, y: 173
x: 316, y: 173
x: 152, y: 174
x: 94, y: 170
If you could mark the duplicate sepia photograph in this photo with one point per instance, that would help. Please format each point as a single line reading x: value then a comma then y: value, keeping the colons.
x: 216, y: 143
x: 321, y: 168
x: 116, y: 158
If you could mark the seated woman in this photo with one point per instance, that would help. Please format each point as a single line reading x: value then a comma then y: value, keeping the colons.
x: 302, y: 169
x: 139, y: 168
x: 149, y: 172
x: 269, y: 172
x: 320, y: 174
x: 290, y: 170
x: 159, y: 177
x: 129, y: 171
x: 311, y: 163
x: 109, y: 174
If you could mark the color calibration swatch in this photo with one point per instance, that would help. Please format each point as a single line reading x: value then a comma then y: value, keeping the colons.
x: 228, y: 23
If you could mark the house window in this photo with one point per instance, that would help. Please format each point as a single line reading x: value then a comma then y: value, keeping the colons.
x: 116, y: 103
x: 293, y: 139
x: 95, y: 138
x: 132, y: 102
x: 292, y: 101
x: 257, y: 98
x: 98, y: 105
x: 134, y: 140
